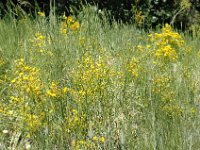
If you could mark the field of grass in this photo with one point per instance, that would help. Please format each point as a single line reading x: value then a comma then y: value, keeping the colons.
x: 81, y: 83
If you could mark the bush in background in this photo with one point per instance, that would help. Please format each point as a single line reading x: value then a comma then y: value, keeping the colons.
x: 145, y: 13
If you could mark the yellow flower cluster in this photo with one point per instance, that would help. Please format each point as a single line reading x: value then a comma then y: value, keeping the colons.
x: 55, y: 91
x: 16, y: 99
x: 172, y: 110
x: 75, y: 122
x: 98, y: 139
x: 24, y: 97
x: 30, y: 97
x: 133, y: 67
x: 94, y: 143
x: 93, y: 69
x: 40, y: 44
x: 27, y: 79
x: 27, y: 95
x: 162, y: 88
x: 166, y: 51
x: 33, y: 122
x: 78, y: 123
x: 161, y: 83
x: 92, y: 77
x: 86, y: 144
x: 82, y: 144
x: 41, y: 14
x: 166, y: 43
x: 69, y: 23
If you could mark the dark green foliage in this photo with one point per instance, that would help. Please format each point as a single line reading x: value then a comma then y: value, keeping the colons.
x: 180, y: 13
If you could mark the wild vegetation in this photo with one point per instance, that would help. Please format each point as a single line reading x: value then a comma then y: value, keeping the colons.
x: 83, y: 83
x: 182, y: 14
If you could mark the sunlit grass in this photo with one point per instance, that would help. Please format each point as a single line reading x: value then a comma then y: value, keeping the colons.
x: 82, y: 83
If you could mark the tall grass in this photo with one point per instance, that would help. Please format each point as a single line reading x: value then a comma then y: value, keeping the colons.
x: 97, y: 85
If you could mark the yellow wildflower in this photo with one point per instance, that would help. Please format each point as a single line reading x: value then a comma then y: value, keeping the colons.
x: 95, y: 138
x: 166, y: 43
x: 75, y: 26
x: 102, y: 139
x: 41, y: 14
x: 70, y: 20
x: 51, y: 93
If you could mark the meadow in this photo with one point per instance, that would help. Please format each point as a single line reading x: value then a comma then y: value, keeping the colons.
x: 83, y: 83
